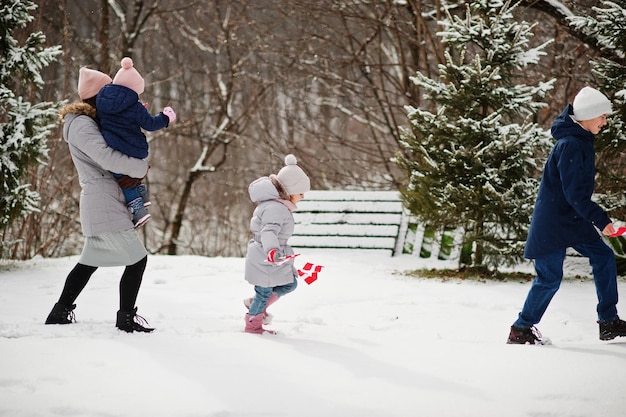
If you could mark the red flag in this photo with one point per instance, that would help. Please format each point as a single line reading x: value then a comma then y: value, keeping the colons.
x: 620, y: 231
x: 309, y: 271
x: 282, y: 260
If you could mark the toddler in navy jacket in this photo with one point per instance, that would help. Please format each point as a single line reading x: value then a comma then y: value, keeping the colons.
x: 122, y: 117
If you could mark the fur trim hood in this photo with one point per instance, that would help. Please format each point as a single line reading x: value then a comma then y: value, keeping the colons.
x: 282, y: 191
x: 78, y: 108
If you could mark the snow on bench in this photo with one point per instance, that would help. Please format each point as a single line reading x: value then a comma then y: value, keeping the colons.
x: 373, y: 220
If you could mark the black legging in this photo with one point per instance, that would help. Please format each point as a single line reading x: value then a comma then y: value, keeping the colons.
x: 130, y: 282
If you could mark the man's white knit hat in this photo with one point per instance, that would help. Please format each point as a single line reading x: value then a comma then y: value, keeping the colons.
x: 589, y: 103
x: 293, y: 178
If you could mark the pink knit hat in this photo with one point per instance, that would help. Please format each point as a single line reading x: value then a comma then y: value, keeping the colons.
x: 129, y: 77
x: 90, y: 82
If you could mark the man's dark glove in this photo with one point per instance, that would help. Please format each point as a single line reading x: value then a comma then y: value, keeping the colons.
x: 127, y: 182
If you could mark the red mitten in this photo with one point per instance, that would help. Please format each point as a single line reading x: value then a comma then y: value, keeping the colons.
x: 272, y: 255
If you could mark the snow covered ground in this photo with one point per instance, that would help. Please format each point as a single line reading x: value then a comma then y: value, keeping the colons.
x: 362, y: 341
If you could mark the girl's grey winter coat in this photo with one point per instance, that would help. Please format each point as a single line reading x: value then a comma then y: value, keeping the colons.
x: 102, y: 204
x: 272, y: 225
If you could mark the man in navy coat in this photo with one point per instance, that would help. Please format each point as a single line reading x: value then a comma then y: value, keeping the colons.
x: 565, y: 216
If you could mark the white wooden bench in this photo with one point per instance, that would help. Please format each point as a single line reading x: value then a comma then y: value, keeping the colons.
x: 374, y: 220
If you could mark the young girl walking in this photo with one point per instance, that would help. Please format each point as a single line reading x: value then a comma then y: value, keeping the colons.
x: 272, y: 224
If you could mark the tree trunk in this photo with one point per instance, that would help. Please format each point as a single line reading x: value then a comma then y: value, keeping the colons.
x: 103, y: 37
x: 172, y: 247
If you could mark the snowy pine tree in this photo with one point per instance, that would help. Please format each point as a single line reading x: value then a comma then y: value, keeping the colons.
x: 24, y: 126
x: 472, y: 162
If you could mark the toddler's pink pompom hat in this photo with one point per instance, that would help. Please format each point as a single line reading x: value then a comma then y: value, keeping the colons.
x: 293, y: 178
x: 590, y: 103
x: 129, y: 77
x: 90, y: 82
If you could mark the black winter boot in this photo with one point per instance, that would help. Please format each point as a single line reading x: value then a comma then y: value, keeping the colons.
x: 522, y: 336
x: 130, y: 321
x: 612, y: 329
x: 61, y: 314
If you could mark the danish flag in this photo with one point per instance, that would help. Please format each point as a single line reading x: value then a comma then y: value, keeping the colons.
x: 309, y: 271
x: 619, y: 232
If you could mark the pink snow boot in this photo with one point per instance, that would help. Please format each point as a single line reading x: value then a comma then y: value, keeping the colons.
x: 254, y: 324
x: 267, y: 317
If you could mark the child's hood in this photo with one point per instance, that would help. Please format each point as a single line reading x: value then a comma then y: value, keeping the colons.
x: 114, y: 98
x: 267, y: 188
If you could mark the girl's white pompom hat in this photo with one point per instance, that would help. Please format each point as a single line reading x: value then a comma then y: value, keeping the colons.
x: 129, y: 77
x: 589, y: 103
x: 293, y: 178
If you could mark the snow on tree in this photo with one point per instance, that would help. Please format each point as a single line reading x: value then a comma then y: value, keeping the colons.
x: 608, y: 26
x: 473, y: 161
x: 24, y: 126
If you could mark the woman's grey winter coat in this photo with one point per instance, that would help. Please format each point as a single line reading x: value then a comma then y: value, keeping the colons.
x: 272, y: 224
x: 102, y: 204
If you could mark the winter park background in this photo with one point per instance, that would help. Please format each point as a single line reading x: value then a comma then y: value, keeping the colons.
x: 351, y: 87
x: 362, y: 340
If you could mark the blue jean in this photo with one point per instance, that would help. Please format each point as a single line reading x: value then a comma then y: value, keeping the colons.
x: 262, y: 294
x: 549, y: 271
